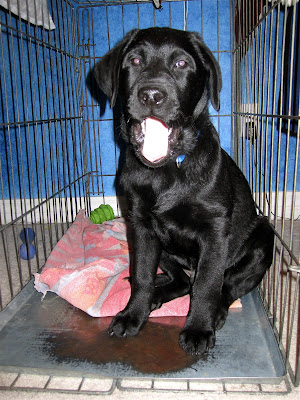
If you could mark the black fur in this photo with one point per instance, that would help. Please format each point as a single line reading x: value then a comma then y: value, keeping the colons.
x: 198, y: 221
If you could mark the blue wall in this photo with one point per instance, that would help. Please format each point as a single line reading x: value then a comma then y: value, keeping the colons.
x: 43, y: 158
x: 269, y: 82
x: 40, y: 148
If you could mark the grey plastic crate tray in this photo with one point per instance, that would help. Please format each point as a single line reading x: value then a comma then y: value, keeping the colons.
x: 51, y: 336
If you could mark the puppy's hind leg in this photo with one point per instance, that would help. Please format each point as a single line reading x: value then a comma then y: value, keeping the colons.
x: 173, y: 283
x: 248, y: 272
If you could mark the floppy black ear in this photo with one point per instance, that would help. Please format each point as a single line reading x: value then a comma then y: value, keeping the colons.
x: 212, y: 66
x: 107, y: 70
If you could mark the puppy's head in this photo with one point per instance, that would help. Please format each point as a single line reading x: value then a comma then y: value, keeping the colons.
x: 165, y: 78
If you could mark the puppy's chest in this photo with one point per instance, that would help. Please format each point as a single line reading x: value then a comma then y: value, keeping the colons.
x: 172, y: 212
x: 178, y: 225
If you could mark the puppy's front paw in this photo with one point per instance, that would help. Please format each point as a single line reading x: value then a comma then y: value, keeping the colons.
x: 125, y: 324
x: 222, y: 314
x: 196, y: 342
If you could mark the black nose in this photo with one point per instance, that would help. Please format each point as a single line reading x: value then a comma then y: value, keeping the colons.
x: 151, y: 97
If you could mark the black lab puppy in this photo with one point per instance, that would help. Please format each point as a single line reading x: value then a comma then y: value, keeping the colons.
x: 191, y: 208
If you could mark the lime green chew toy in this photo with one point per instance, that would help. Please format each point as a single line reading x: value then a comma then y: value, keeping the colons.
x: 101, y: 214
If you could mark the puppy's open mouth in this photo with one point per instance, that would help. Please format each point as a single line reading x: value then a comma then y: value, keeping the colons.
x: 154, y: 139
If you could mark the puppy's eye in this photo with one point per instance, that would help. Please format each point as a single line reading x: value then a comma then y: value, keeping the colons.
x: 181, y: 64
x: 136, y: 61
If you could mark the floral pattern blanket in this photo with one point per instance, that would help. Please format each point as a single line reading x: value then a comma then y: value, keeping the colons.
x: 89, y: 267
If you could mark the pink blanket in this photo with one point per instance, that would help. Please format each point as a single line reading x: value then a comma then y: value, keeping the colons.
x: 89, y: 268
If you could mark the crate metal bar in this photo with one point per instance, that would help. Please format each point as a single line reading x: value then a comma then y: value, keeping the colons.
x: 280, y: 288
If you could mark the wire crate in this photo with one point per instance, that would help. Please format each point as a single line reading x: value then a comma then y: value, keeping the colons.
x: 60, y: 153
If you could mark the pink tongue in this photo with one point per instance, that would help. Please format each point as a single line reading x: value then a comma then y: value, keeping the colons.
x: 156, y: 139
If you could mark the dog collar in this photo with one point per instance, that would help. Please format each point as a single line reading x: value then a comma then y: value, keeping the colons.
x: 180, y: 158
